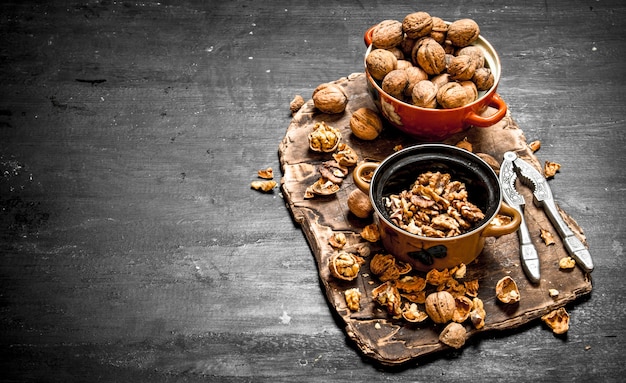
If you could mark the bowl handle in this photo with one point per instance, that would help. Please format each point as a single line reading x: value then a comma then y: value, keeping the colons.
x: 367, y: 38
x: 496, y: 231
x: 496, y: 102
x: 357, y: 175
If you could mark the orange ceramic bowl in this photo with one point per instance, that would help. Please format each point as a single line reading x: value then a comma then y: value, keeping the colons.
x: 398, y: 171
x: 438, y: 124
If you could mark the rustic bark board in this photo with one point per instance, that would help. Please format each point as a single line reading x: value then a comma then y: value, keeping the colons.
x: 395, y: 342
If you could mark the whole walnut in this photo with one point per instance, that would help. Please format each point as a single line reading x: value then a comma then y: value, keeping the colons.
x: 365, y: 124
x: 395, y: 82
x: 415, y: 74
x: 483, y: 78
x: 387, y: 34
x: 440, y: 306
x: 403, y: 64
x: 462, y: 33
x: 462, y: 67
x: 476, y: 53
x: 441, y: 79
x: 379, y: 62
x: 425, y: 94
x: 470, y: 88
x: 330, y: 98
x: 407, y: 45
x: 452, y: 95
x: 417, y: 24
x: 429, y: 55
x: 439, y: 30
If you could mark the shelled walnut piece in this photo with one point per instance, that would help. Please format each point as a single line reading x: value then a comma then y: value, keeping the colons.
x: 557, y: 320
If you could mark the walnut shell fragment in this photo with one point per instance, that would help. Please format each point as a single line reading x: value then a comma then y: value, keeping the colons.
x: 453, y: 335
x: 557, y: 320
x: 322, y: 187
x: 463, y: 308
x: 344, y: 265
x: 411, y: 313
x: 345, y: 155
x: 370, y: 233
x: 353, y: 298
x: 332, y: 171
x: 478, y: 314
x: 338, y: 240
x: 387, y: 295
x: 324, y: 138
x: 384, y: 267
x: 547, y: 237
x: 264, y: 186
x: 507, y: 291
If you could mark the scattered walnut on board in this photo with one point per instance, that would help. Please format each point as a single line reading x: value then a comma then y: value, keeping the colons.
x: 440, y: 306
x: 353, y: 298
x: 330, y: 98
x: 366, y: 124
x: 557, y: 320
x: 453, y: 335
x: 296, y: 104
x: 360, y: 204
x: 344, y: 265
x: 507, y: 291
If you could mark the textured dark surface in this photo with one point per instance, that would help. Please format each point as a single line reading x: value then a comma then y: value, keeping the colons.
x: 133, y: 249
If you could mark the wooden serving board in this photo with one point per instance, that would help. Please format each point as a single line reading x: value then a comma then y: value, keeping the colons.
x: 376, y: 334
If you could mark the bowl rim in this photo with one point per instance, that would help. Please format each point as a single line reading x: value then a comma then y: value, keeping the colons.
x: 434, y: 147
x: 480, y: 42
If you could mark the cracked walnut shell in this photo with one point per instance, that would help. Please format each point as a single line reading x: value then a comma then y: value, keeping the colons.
x: 344, y: 265
x: 507, y: 291
x: 324, y: 138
